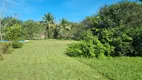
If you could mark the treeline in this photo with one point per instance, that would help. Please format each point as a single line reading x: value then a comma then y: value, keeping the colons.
x: 15, y: 29
x: 115, y: 31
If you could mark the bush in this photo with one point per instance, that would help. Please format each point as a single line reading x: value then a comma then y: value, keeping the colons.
x: 6, y: 48
x: 81, y: 49
x: 16, y: 45
x: 13, y: 33
x: 89, y: 47
x: 136, y: 34
x: 84, y: 48
x: 108, y: 42
x: 74, y: 50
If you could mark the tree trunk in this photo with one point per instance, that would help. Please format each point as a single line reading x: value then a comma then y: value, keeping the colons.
x: 48, y: 30
x: 46, y: 33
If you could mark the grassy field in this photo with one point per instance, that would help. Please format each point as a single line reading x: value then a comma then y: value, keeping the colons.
x: 45, y: 60
x: 123, y: 68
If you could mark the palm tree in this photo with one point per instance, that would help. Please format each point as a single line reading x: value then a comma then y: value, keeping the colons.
x: 65, y: 27
x: 49, y: 23
x: 65, y: 24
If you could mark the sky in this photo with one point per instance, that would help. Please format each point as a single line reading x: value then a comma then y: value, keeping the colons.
x: 72, y: 10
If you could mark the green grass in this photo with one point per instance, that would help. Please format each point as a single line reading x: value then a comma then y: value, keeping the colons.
x: 123, y: 68
x: 45, y: 60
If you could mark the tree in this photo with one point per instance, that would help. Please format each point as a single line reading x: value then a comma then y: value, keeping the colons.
x: 3, y: 12
x: 65, y: 27
x: 49, y: 24
x: 14, y: 33
x: 1, y: 16
x: 10, y: 21
x: 32, y: 29
x: 126, y: 13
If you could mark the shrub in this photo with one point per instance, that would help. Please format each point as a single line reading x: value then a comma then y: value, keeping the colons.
x: 116, y: 41
x: 6, y: 48
x: 108, y: 42
x: 13, y: 33
x: 16, y: 45
x: 84, y: 48
x: 74, y: 50
x: 136, y: 34
x: 81, y: 49
x: 89, y: 47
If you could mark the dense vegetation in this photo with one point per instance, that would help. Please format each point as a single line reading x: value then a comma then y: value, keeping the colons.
x: 32, y: 30
x: 115, y: 31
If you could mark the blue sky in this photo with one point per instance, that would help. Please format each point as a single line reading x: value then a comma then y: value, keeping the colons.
x: 72, y: 10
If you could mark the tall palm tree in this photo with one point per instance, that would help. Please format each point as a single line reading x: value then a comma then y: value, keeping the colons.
x: 65, y: 24
x: 65, y: 27
x: 49, y: 23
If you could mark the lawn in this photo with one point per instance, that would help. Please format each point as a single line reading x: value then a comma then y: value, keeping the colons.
x: 122, y: 68
x: 45, y: 60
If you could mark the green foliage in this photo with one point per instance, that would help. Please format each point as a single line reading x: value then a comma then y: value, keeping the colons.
x: 10, y: 21
x: 122, y: 45
x: 81, y: 49
x: 126, y: 13
x: 14, y: 32
x: 108, y: 42
x: 136, y: 34
x: 64, y: 29
x: 49, y: 25
x: 77, y: 30
x: 116, y: 30
x: 74, y: 50
x: 84, y: 48
x: 89, y: 47
x: 16, y: 45
x: 48, y: 18
x: 87, y: 36
x: 119, y: 43
x: 31, y: 29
